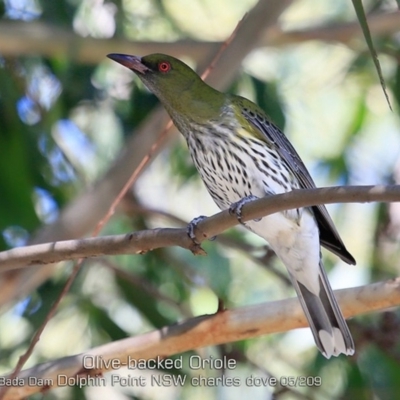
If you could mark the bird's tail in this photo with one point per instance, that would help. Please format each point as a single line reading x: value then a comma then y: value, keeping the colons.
x: 329, y: 328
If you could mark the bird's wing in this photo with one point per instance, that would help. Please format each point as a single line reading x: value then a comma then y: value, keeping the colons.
x: 329, y: 236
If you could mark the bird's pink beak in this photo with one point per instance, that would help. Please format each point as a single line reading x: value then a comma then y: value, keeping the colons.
x: 132, y: 62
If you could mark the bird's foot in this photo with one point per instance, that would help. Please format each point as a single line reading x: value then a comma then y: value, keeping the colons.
x: 192, y: 226
x: 236, y: 208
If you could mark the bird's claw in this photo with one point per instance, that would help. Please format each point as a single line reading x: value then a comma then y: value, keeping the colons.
x: 192, y: 225
x: 236, y: 208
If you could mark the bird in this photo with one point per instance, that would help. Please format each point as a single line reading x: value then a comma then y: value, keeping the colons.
x: 241, y: 155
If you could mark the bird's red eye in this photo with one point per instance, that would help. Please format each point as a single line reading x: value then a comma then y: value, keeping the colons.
x: 164, y: 66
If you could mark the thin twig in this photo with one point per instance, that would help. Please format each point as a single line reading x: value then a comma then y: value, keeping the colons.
x: 222, y: 48
x: 36, y: 337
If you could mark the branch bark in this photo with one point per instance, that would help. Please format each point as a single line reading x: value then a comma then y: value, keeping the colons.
x: 207, y: 330
x: 32, y: 38
x: 143, y: 241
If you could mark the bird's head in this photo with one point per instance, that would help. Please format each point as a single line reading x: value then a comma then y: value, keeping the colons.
x: 177, y: 86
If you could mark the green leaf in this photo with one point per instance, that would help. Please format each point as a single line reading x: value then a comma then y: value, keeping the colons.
x: 381, y: 371
x: 101, y: 321
x: 357, y: 386
x: 267, y: 97
x: 143, y: 301
x: 396, y: 85
x: 358, y: 6
x: 181, y: 164
x: 214, y: 268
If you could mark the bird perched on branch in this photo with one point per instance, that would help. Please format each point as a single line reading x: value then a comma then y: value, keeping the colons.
x: 241, y: 156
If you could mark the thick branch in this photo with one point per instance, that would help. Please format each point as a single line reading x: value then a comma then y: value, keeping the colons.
x: 139, y: 242
x: 20, y: 38
x: 207, y: 330
x: 382, y: 24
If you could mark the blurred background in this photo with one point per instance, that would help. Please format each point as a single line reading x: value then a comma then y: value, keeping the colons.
x: 74, y: 126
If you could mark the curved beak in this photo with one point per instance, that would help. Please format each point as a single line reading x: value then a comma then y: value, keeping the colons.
x: 132, y: 62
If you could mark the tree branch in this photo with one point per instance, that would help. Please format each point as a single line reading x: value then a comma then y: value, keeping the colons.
x: 22, y: 38
x: 143, y: 241
x: 381, y: 24
x: 132, y: 208
x: 207, y: 330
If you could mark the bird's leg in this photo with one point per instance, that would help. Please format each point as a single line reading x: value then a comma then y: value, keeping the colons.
x: 236, y: 208
x: 192, y: 225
